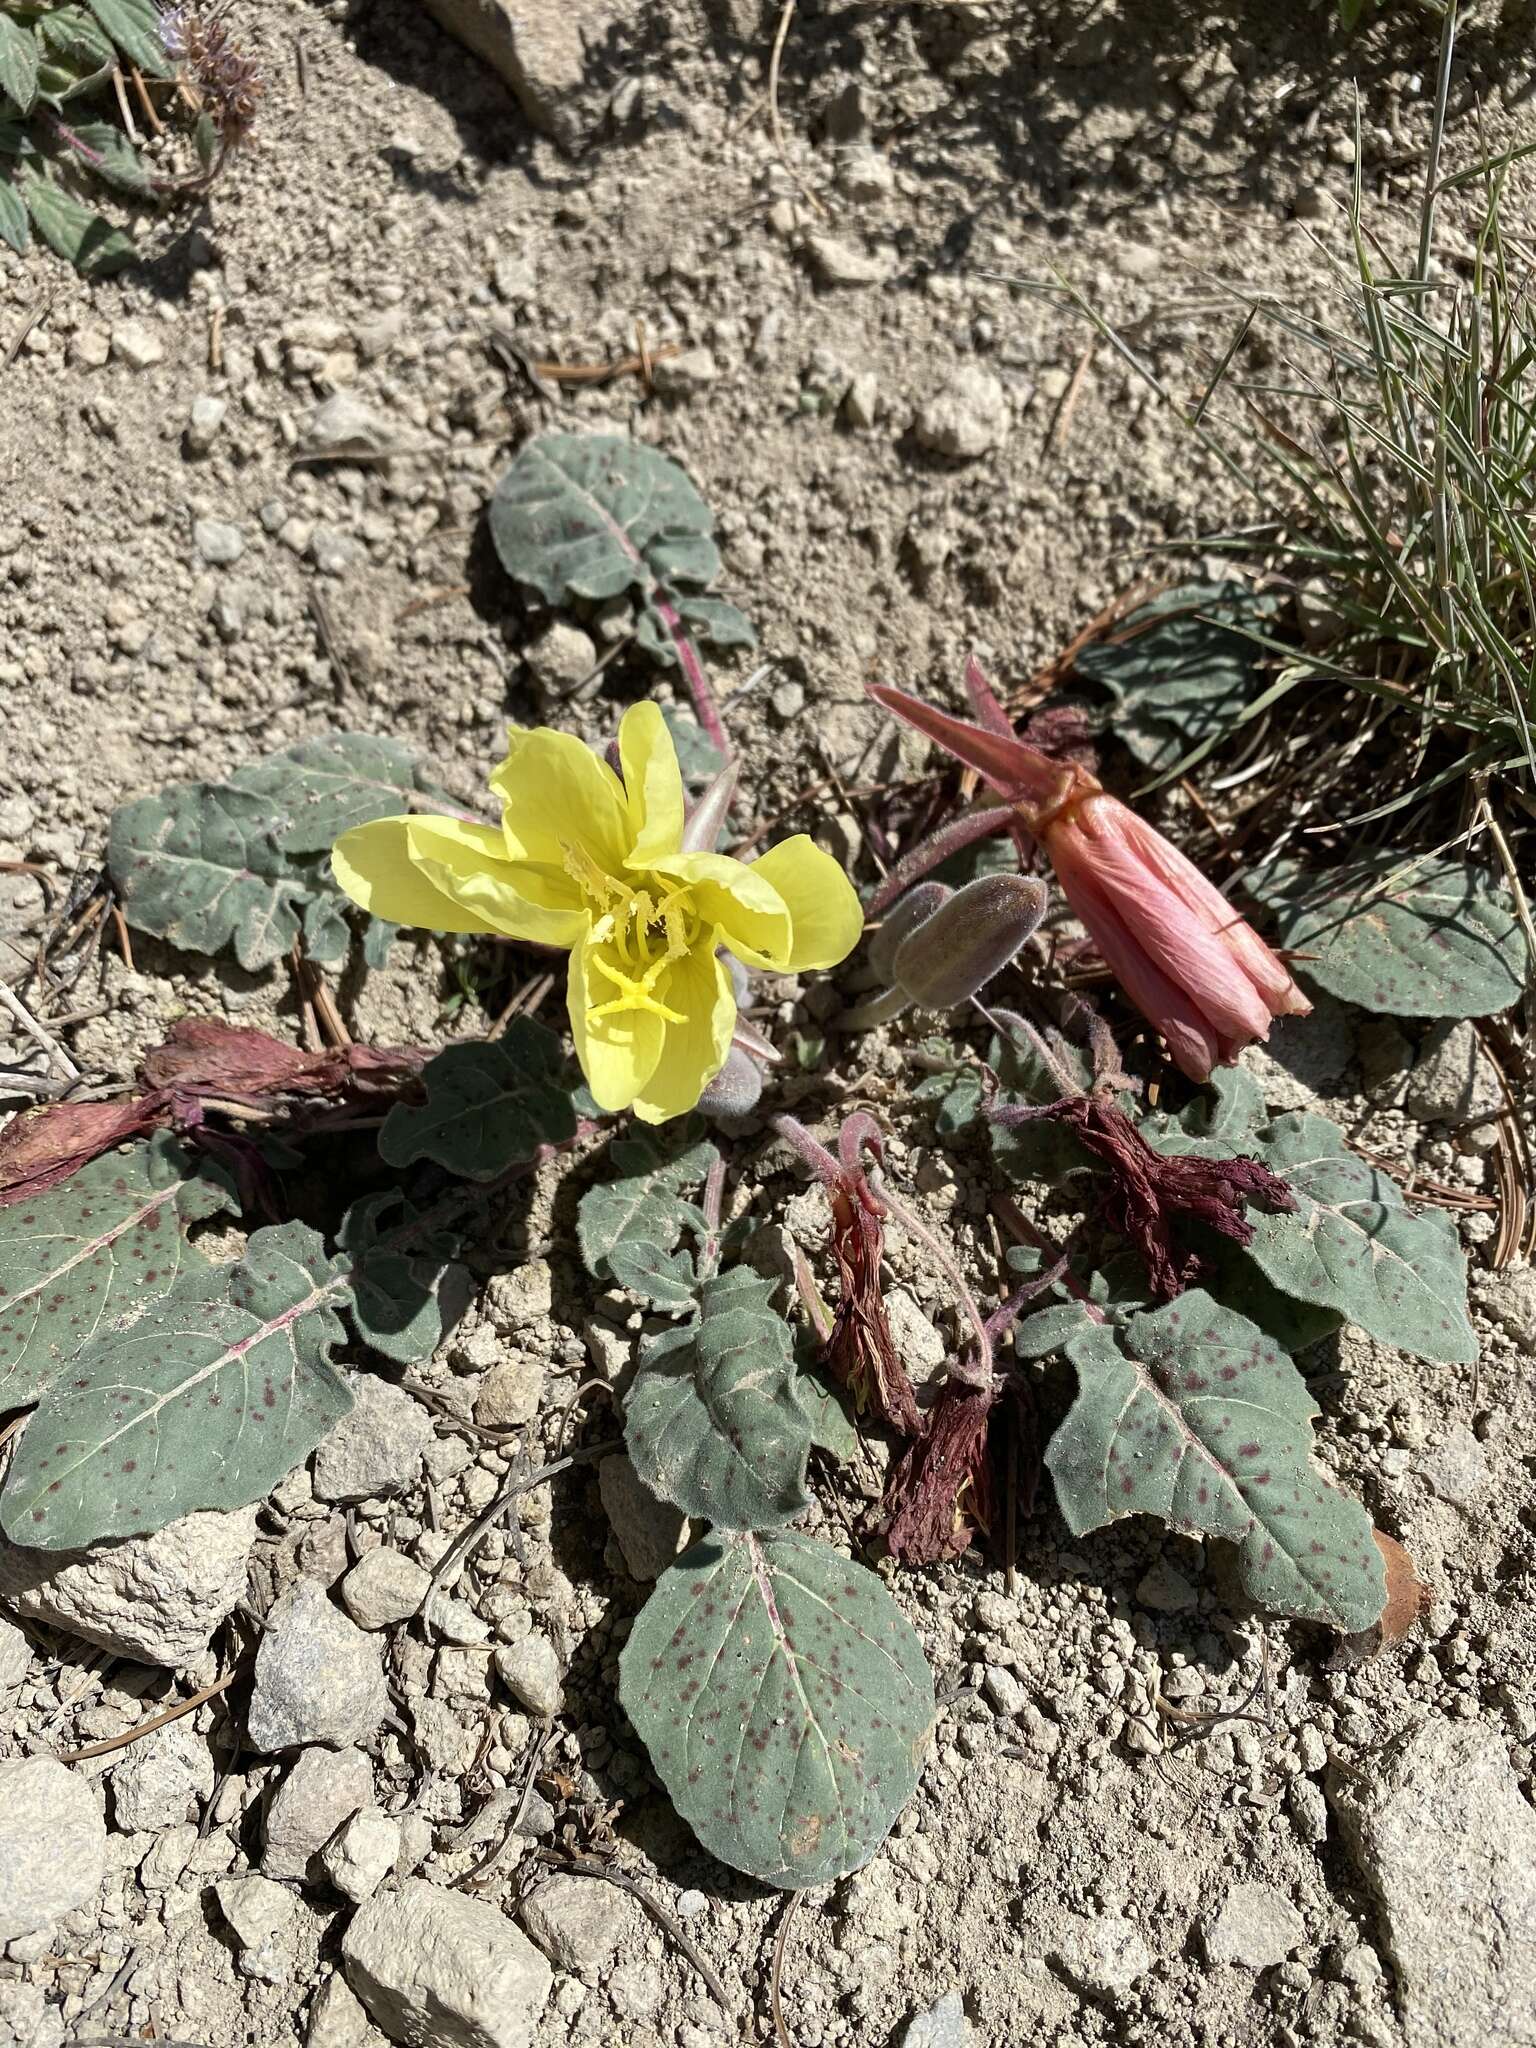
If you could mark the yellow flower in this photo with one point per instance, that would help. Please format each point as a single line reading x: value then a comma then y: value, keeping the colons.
x: 596, y: 864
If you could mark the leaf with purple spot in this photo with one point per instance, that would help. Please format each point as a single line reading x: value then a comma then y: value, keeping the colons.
x: 1189, y: 1412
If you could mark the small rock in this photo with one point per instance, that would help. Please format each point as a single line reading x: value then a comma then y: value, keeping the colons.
x: 1317, y: 613
x: 649, y: 1532
x: 918, y: 1344
x: 439, y: 1970
x: 1165, y: 1590
x: 1106, y: 1954
x: 337, y: 2019
x: 607, y: 1348
x: 53, y: 1844
x: 1450, y: 1080
x: 861, y: 402
x: 318, y: 1677
x: 942, y: 2026
x: 261, y: 1916
x: 1309, y: 1810
x: 375, y: 1451
x: 561, y: 657
x: 788, y: 700
x: 204, y: 422
x: 521, y: 1297
x: 1386, y: 1057
x: 333, y: 553
x: 384, y: 1587
x: 683, y: 375
x: 1005, y: 1691
x: 1444, y: 1838
x: 845, y: 263
x: 319, y: 1795
x: 966, y: 418
x: 218, y: 542
x: 579, y: 1923
x: 361, y: 1854
x: 1509, y: 1299
x: 1457, y: 1470
x: 530, y: 1671
x: 90, y: 347
x: 1254, y: 1927
x: 15, y: 1658
x: 373, y: 338
x: 342, y: 426
x: 510, y: 1393
x: 163, y: 1780
x: 153, y: 1600
x: 137, y: 345
x: 866, y: 176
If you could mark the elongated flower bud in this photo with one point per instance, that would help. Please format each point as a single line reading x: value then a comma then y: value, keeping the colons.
x: 1189, y: 962
x: 955, y: 952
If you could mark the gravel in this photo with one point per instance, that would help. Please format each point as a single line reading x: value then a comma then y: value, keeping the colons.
x: 967, y: 417
x: 438, y: 1970
x: 53, y: 1844
x: 1255, y: 1927
x: 375, y: 1451
x: 579, y: 1922
x: 530, y: 1670
x: 649, y: 1533
x: 319, y: 1677
x: 384, y: 1587
x: 361, y: 1854
x: 163, y: 1779
x: 320, y: 1793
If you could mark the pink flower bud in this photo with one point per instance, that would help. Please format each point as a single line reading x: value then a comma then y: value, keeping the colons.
x: 1190, y: 963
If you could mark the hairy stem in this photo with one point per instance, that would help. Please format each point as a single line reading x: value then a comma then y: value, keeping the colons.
x: 954, y: 837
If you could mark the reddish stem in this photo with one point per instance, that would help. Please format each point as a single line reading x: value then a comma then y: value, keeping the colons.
x: 705, y: 709
x: 954, y: 837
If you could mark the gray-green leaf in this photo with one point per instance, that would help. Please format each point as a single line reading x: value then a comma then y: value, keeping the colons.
x: 1408, y: 938
x: 14, y: 230
x: 197, y: 865
x: 665, y: 1279
x: 409, y: 1288
x: 712, y: 1420
x: 1177, y: 673
x: 207, y: 1401
x: 785, y: 1702
x: 320, y: 788
x: 134, y: 25
x: 644, y: 1204
x: 595, y: 515
x: 1190, y: 1413
x: 1351, y: 1243
x: 489, y: 1106
x: 89, y: 1254
x: 18, y: 64
x: 78, y: 233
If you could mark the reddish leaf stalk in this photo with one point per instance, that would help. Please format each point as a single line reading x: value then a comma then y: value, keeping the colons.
x: 705, y: 708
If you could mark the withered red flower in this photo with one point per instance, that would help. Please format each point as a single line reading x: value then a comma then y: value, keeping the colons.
x: 1146, y: 1190
x: 943, y: 1486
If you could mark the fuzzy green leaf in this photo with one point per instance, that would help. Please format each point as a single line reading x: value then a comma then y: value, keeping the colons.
x: 14, y: 230
x: 1178, y: 675
x: 712, y: 1420
x: 1352, y: 1244
x: 197, y: 865
x: 408, y: 1286
x: 321, y: 788
x: 18, y: 64
x: 665, y: 1279
x: 207, y: 1401
x: 204, y: 864
x: 1403, y: 937
x: 76, y: 54
x: 1190, y: 1413
x: 113, y: 158
x: 92, y: 1253
x: 489, y: 1106
x: 134, y: 25
x: 697, y: 755
x: 78, y: 233
x: 785, y: 1702
x: 712, y: 621
x: 643, y: 1204
x: 595, y: 515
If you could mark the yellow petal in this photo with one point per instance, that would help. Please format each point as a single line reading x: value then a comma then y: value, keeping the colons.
x: 824, y: 913
x: 653, y: 784
x: 750, y: 913
x: 556, y: 793
x: 445, y: 876
x: 692, y: 1053
x: 618, y: 1054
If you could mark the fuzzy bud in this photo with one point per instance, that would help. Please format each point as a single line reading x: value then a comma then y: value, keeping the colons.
x: 968, y: 939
